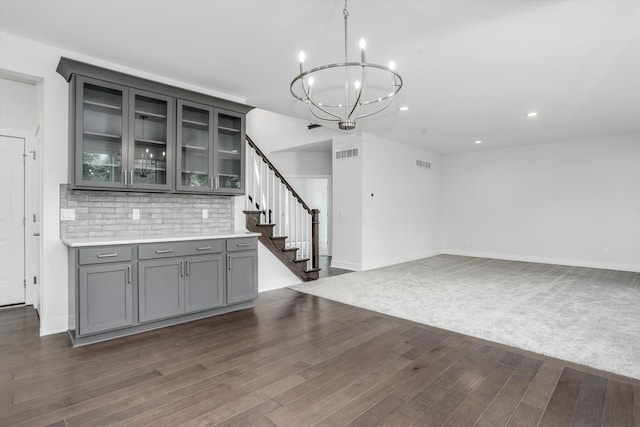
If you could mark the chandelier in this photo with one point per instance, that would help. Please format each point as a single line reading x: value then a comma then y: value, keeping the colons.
x: 346, y: 91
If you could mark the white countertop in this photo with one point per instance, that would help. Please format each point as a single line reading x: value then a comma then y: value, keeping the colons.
x: 104, y: 241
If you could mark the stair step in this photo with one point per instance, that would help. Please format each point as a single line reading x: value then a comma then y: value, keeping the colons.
x: 266, y: 225
x: 251, y: 212
x: 279, y: 237
x: 289, y: 249
x: 301, y: 260
x: 312, y: 270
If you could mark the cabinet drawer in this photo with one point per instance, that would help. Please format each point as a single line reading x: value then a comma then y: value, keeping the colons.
x: 104, y: 254
x: 201, y: 247
x: 163, y: 250
x: 172, y: 249
x: 242, y: 244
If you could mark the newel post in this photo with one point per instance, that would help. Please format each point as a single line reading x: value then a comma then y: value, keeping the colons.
x: 315, y: 240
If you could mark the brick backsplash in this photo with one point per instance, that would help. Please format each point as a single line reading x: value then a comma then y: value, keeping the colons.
x: 109, y: 214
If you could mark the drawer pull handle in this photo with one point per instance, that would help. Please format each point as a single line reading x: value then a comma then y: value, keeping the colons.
x: 107, y: 255
x: 204, y: 248
x: 188, y: 269
x: 164, y: 251
x: 243, y: 245
x: 129, y: 274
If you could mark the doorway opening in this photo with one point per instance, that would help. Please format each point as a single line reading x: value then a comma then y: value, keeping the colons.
x: 20, y: 189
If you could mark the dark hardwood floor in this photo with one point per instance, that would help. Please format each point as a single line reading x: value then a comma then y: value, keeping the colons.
x: 297, y: 360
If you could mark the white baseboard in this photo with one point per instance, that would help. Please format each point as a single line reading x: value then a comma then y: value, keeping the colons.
x: 377, y: 264
x: 399, y: 260
x: 546, y: 260
x: 345, y: 265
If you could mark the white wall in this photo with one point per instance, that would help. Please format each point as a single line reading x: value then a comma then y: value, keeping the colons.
x: 346, y: 238
x: 39, y: 60
x: 400, y: 203
x: 18, y: 105
x: 296, y: 163
x: 575, y: 203
x: 274, y: 132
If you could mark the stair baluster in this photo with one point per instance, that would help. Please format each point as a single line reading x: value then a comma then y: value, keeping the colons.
x: 288, y: 227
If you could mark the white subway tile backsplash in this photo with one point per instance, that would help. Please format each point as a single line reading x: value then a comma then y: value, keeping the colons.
x: 109, y: 214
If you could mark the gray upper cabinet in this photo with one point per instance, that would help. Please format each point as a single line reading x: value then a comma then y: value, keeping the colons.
x: 151, y: 125
x: 101, y: 134
x: 195, y: 147
x: 229, y: 152
x: 123, y: 137
x: 123, y: 132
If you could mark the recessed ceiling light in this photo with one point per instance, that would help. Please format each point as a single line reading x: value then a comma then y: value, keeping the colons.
x: 478, y: 142
x: 532, y: 114
x: 404, y: 108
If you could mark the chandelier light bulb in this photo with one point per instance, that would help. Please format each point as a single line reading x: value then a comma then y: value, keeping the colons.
x: 357, y: 84
x: 363, y: 43
x: 392, y: 66
x: 311, y: 81
x: 301, y: 56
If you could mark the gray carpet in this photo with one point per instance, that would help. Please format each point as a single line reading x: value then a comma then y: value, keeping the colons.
x: 583, y: 315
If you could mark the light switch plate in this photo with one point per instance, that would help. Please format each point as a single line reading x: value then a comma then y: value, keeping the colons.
x: 205, y: 213
x: 67, y: 214
x: 136, y: 214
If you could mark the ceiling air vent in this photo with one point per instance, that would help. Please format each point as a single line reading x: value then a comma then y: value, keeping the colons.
x: 347, y: 154
x: 423, y: 164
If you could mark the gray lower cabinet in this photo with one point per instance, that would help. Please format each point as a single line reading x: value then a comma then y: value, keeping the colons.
x: 242, y: 269
x: 173, y: 286
x: 106, y: 297
x: 160, y: 289
x: 204, y: 282
x: 105, y: 290
x: 123, y: 289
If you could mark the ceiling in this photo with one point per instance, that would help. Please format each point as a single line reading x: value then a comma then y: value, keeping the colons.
x: 472, y: 69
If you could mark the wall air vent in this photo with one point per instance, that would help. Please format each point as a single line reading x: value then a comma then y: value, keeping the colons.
x: 347, y: 154
x: 423, y: 164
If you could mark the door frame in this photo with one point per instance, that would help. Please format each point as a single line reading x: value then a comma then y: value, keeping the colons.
x: 329, y: 215
x: 32, y: 206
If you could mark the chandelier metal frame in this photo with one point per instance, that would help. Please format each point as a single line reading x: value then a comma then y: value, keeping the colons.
x: 347, y: 113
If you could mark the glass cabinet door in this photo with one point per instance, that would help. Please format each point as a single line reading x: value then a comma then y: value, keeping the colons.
x: 101, y: 133
x: 195, y: 142
x: 151, y: 148
x: 229, y: 152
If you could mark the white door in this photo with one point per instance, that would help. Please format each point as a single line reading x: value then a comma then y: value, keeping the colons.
x: 11, y: 220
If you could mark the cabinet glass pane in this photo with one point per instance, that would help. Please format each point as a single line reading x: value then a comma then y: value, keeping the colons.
x: 195, y: 147
x: 229, y: 151
x: 101, y: 134
x: 150, y: 146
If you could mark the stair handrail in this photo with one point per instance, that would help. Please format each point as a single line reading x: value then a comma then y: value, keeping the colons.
x: 278, y: 174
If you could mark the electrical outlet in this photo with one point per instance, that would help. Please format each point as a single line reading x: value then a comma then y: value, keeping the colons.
x: 136, y: 214
x: 205, y: 213
x: 67, y: 214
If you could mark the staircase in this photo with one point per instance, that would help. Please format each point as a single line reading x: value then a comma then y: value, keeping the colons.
x: 287, y: 226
